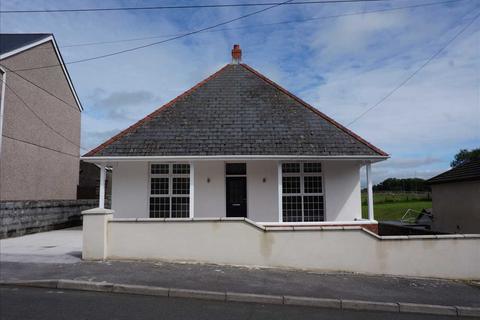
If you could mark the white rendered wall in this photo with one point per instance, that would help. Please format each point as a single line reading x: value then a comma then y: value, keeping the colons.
x: 244, y: 243
x: 209, y: 196
x: 341, y: 183
x: 262, y: 197
x: 342, y: 190
x: 130, y: 190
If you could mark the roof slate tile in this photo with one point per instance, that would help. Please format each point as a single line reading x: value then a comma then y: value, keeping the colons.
x: 236, y: 112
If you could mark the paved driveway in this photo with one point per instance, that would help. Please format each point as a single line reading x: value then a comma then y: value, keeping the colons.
x: 59, y: 246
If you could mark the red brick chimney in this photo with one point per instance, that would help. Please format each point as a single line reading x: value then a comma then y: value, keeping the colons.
x: 236, y: 54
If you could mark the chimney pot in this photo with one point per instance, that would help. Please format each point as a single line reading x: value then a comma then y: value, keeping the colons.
x: 236, y: 54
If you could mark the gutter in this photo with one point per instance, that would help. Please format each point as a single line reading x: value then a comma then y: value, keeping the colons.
x: 102, y: 159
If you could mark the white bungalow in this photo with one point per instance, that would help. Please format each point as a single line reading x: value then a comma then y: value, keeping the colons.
x: 238, y: 145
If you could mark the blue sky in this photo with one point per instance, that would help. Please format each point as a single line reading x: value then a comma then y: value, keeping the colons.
x: 340, y: 65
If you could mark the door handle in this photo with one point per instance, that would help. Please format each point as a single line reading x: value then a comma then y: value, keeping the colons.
x: 235, y: 204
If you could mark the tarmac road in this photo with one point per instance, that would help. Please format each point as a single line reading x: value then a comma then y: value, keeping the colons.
x: 36, y: 303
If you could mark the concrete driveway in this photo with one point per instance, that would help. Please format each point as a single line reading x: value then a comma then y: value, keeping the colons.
x: 59, y: 246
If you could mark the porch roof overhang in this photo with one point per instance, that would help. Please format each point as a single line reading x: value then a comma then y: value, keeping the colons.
x: 110, y: 159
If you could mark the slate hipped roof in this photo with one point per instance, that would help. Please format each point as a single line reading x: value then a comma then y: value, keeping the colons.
x: 468, y: 171
x: 236, y: 111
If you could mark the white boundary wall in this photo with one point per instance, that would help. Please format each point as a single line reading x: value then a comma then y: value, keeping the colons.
x: 242, y: 242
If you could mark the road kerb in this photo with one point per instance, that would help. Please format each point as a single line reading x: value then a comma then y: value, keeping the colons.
x: 141, y: 290
x: 312, y: 302
x: 85, y: 285
x: 257, y: 298
x: 32, y: 283
x: 197, y: 294
x: 468, y: 312
x: 370, y: 305
x: 249, y: 298
x: 428, y: 309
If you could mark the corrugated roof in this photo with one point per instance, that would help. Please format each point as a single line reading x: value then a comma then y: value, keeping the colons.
x: 13, y: 41
x: 236, y: 111
x: 464, y: 172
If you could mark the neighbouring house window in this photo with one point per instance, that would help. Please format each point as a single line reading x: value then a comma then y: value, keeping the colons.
x: 169, y: 190
x: 302, y: 192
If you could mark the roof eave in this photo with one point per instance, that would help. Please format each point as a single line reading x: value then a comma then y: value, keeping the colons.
x: 433, y: 181
x: 365, y: 158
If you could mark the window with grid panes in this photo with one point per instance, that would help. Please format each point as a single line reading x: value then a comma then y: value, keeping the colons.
x: 302, y: 192
x: 169, y: 190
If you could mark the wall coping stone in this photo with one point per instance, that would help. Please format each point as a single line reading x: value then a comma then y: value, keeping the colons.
x: 287, y: 227
x: 97, y: 212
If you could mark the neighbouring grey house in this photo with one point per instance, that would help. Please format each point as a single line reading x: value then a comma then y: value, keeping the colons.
x: 238, y: 145
x: 39, y: 133
x: 456, y: 199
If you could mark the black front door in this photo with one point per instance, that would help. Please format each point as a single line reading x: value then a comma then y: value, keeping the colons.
x: 236, y: 196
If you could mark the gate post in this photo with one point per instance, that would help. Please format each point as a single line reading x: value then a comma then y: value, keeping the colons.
x: 95, y: 227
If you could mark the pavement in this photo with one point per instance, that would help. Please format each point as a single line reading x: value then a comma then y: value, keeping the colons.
x: 56, y: 255
x: 59, y: 246
x: 65, y: 304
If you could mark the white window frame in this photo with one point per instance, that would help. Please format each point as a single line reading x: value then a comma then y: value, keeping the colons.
x: 170, y: 175
x: 302, y: 193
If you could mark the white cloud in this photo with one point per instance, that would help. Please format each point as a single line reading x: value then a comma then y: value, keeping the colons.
x: 122, y: 104
x: 353, y: 34
x: 408, y: 163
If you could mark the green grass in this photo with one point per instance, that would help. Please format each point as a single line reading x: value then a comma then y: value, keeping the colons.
x: 395, y: 210
x: 393, y: 205
x: 390, y: 197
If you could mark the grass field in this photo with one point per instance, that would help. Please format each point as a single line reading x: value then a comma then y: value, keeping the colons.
x: 392, y: 206
x: 389, y: 197
x: 395, y: 210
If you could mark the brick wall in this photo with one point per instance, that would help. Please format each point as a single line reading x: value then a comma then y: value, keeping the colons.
x: 22, y: 217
